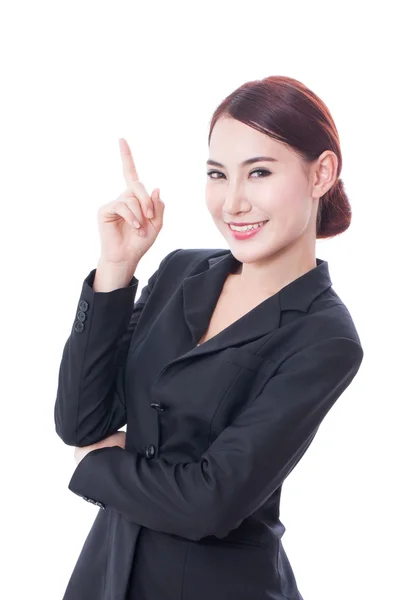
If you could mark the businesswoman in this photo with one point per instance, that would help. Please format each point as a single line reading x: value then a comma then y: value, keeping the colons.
x: 223, y: 369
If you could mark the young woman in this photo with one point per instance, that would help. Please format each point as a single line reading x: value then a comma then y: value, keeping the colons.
x: 223, y: 369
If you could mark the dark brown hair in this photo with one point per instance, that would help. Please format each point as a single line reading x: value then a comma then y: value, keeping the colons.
x: 285, y: 109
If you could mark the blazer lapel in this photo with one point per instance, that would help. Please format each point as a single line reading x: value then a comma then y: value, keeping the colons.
x: 201, y: 292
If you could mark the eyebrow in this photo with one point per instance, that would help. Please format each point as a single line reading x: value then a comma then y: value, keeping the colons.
x: 248, y: 161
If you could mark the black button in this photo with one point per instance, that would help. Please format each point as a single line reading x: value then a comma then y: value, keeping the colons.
x: 81, y: 316
x: 150, y: 451
x: 157, y: 406
x: 83, y: 305
x: 100, y: 504
x: 78, y: 326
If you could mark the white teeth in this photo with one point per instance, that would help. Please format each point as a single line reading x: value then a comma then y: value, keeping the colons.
x: 247, y: 227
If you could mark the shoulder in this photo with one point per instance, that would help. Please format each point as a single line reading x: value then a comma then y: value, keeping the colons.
x: 325, y: 327
x: 327, y: 331
x: 329, y: 316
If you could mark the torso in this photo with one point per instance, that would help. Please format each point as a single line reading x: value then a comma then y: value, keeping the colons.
x: 229, y: 308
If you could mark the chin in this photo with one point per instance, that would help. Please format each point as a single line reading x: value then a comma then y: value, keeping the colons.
x: 249, y: 256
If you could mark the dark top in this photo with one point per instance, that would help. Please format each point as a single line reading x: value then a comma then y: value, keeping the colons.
x: 190, y: 508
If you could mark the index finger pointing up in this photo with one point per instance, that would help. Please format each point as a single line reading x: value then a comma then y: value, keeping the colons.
x: 128, y: 165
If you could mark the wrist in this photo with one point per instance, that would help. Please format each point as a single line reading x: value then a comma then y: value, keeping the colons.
x: 111, y: 276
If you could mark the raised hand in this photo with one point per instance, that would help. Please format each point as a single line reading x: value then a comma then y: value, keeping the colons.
x: 122, y: 242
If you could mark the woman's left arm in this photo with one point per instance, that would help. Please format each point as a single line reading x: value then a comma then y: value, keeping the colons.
x: 243, y: 467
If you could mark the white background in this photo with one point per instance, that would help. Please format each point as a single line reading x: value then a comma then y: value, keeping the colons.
x: 75, y: 77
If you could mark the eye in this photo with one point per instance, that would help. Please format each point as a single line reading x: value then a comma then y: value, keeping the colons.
x: 264, y: 173
x: 209, y: 173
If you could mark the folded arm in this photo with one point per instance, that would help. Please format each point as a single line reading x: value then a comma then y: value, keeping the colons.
x: 242, y: 468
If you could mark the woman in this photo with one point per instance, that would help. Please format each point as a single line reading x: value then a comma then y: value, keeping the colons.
x: 224, y: 369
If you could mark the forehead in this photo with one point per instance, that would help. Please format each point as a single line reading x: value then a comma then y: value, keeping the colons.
x: 232, y: 140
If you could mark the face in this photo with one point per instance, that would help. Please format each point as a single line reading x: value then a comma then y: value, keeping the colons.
x: 280, y: 192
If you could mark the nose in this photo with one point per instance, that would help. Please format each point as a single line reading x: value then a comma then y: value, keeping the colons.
x: 235, y: 201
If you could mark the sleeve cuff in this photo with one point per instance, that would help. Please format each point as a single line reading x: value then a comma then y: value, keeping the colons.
x: 90, y: 279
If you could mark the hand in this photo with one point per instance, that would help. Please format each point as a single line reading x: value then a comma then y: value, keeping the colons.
x: 121, y: 242
x: 116, y: 439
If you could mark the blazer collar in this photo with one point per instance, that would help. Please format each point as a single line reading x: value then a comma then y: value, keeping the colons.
x: 201, y: 291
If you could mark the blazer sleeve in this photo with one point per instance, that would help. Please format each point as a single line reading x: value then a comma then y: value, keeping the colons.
x: 89, y: 402
x: 242, y: 468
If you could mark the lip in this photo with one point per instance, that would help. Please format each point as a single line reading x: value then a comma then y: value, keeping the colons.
x: 244, y: 235
x: 241, y: 224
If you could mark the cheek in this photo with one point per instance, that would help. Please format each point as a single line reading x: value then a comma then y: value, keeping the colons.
x: 293, y: 217
x: 213, y: 204
x: 288, y: 200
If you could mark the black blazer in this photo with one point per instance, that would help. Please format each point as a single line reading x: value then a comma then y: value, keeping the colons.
x: 190, y: 508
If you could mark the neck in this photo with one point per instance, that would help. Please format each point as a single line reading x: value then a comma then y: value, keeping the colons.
x: 270, y: 274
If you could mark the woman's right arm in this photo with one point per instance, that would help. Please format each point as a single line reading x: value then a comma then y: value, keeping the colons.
x: 89, y: 403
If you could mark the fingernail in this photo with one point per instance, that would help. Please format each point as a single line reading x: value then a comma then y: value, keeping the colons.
x: 136, y: 224
x: 149, y: 214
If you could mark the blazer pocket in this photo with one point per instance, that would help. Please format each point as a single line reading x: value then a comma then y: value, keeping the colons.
x: 245, y: 359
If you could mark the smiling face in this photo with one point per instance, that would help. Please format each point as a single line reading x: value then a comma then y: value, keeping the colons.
x: 280, y: 191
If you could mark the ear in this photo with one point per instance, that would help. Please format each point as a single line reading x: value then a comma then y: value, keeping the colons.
x: 324, y: 173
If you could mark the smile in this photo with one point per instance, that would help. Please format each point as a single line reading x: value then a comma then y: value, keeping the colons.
x: 246, y: 231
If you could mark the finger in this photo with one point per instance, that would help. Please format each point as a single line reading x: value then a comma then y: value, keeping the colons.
x: 139, y: 192
x: 128, y: 164
x: 134, y: 205
x: 121, y: 209
x: 159, y: 207
x: 132, y: 179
